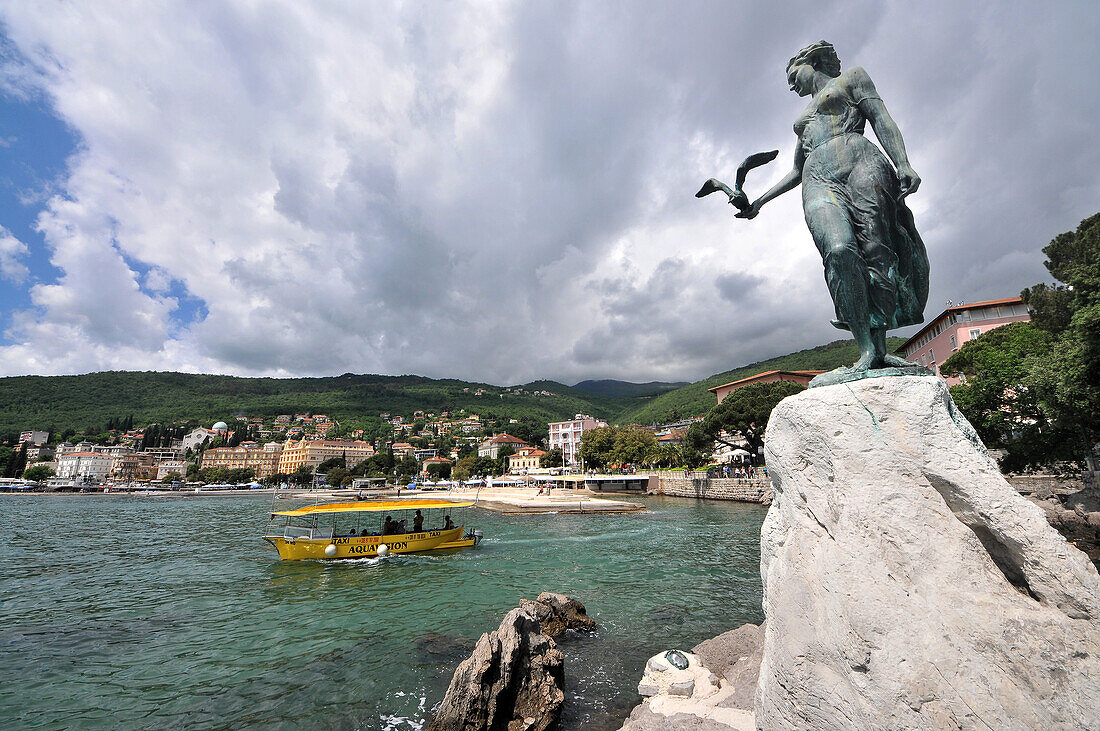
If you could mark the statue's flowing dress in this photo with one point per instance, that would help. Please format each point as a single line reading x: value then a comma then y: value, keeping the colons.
x: 868, y: 243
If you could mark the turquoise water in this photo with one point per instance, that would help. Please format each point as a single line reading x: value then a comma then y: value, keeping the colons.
x: 136, y: 612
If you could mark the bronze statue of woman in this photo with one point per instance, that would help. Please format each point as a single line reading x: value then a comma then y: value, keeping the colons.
x: 875, y: 262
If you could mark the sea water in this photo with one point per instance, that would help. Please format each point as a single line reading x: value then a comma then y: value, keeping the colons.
x: 142, y: 612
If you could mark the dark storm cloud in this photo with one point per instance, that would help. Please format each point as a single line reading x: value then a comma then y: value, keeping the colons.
x: 504, y: 192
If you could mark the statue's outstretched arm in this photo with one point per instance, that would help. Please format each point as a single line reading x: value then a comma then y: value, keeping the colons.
x: 790, y: 181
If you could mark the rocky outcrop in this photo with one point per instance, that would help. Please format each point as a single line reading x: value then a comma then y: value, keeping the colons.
x: 515, y: 677
x: 557, y: 613
x: 906, y: 584
x: 735, y: 657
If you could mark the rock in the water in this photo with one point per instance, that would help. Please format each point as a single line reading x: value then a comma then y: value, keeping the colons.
x: 515, y: 677
x: 906, y: 584
x: 557, y: 613
x: 439, y: 645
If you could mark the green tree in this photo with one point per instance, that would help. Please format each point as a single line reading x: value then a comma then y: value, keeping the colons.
x: 302, y: 476
x: 1066, y: 378
x: 380, y: 465
x: 484, y: 466
x: 634, y: 446
x: 743, y: 413
x: 667, y: 455
x: 464, y: 467
x: 553, y: 458
x: 407, y: 467
x: 444, y: 445
x: 6, y: 455
x: 500, y: 465
x: 597, y: 446
x: 336, y: 476
x: 38, y: 473
x: 17, y: 463
x: 439, y: 470
x: 172, y: 476
x: 277, y: 478
x: 999, y: 396
x: 1051, y: 306
x: 1061, y: 383
x: 331, y: 464
x: 531, y: 430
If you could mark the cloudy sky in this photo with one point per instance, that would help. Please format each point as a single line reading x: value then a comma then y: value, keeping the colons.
x: 494, y: 191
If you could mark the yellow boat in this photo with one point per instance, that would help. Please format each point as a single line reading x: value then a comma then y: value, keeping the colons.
x: 365, y: 529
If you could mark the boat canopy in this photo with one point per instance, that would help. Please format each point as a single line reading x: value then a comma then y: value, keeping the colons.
x: 372, y: 507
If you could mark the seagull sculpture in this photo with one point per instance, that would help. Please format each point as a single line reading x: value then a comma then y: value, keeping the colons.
x: 738, y: 199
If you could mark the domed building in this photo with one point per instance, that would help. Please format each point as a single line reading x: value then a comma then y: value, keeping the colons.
x: 221, y: 428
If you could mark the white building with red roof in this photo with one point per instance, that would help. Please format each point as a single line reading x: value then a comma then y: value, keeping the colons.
x: 85, y: 465
x: 491, y: 447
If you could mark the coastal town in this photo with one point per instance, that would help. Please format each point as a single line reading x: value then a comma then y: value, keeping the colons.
x: 310, y: 449
x: 302, y: 450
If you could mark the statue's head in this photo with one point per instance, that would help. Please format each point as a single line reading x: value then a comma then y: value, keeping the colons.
x: 819, y: 56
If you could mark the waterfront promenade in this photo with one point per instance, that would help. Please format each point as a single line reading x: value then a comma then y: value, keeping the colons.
x: 506, y: 500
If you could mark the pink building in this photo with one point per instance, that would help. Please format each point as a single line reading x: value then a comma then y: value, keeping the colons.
x: 566, y: 435
x: 935, y: 342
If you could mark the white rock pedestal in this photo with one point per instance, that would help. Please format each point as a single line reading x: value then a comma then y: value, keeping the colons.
x: 692, y: 697
x: 693, y: 681
x: 906, y: 584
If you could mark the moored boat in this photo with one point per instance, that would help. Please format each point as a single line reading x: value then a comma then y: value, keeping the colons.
x: 365, y: 529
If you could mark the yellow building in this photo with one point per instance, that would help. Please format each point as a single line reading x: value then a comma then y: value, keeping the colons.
x: 525, y: 460
x: 313, y: 453
x: 264, y: 460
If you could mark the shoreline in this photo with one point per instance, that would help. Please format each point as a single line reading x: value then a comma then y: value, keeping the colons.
x: 507, y: 501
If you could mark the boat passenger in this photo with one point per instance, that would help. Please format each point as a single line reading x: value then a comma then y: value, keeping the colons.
x: 388, y: 526
x: 418, y: 522
x: 447, y: 523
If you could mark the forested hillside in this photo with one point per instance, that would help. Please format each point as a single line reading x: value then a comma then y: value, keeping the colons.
x: 695, y: 400
x: 58, y: 402
x: 88, y: 402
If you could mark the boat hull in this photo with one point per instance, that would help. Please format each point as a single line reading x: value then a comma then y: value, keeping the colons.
x: 297, y: 549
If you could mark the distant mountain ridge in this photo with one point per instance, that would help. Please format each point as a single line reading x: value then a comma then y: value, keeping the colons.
x: 626, y: 389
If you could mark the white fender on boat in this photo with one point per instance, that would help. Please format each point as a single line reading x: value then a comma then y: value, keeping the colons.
x: 330, y: 550
x: 383, y: 549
